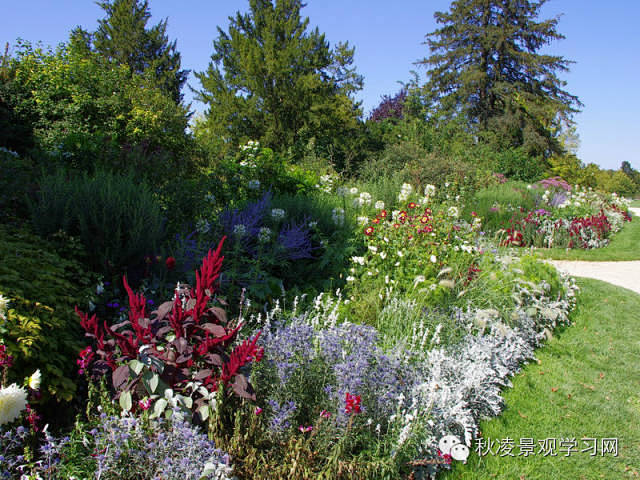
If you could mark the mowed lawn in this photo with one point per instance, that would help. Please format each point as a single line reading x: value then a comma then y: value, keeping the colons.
x: 586, y: 383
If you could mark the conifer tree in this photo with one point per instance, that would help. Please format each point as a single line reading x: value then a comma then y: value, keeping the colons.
x: 272, y: 79
x: 123, y: 38
x: 486, y: 65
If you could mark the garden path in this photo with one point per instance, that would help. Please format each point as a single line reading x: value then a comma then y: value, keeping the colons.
x: 622, y: 274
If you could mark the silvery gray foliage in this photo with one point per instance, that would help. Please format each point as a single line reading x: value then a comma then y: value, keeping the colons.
x: 445, y: 389
x: 463, y: 383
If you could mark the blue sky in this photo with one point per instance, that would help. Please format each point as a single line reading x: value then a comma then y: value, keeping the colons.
x: 602, y: 38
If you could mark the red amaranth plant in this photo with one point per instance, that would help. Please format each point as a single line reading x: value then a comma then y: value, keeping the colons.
x: 185, y: 342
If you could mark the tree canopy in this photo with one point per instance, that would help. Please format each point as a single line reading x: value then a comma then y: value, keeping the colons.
x: 486, y: 65
x: 272, y: 79
x: 123, y: 38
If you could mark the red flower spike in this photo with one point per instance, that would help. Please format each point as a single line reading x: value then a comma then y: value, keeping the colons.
x: 352, y: 403
x: 205, y: 278
x: 137, y: 311
x: 171, y: 263
x: 241, y: 355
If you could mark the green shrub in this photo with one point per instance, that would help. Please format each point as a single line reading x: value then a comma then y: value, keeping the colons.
x: 116, y: 218
x: 16, y: 178
x: 496, y: 205
x: 41, y: 330
x: 516, y: 164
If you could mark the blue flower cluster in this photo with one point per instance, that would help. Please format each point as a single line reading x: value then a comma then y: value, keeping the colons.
x: 126, y: 447
x: 348, y: 358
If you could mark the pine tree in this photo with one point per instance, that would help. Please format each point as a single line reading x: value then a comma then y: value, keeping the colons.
x: 123, y: 38
x: 271, y: 79
x: 485, y: 65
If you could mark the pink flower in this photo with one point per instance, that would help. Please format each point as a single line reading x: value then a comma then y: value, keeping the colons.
x: 258, y: 411
x: 305, y: 429
x: 325, y: 414
x: 144, y: 404
x: 86, y: 356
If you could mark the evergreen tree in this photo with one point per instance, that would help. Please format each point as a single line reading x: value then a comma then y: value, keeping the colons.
x: 485, y: 65
x: 273, y: 80
x: 123, y: 38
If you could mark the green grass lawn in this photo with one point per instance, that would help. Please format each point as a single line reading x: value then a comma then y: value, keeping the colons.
x: 585, y: 384
x: 625, y: 245
x: 636, y: 203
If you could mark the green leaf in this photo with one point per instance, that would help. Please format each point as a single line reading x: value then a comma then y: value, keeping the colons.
x: 203, y: 411
x: 136, y: 367
x: 159, y: 407
x: 126, y: 401
x: 151, y: 381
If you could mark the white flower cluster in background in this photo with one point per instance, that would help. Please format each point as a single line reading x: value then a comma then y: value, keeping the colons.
x: 405, y: 191
x: 264, y: 235
x: 250, y: 150
x: 240, y: 230
x: 277, y: 213
x: 326, y: 184
x: 363, y: 200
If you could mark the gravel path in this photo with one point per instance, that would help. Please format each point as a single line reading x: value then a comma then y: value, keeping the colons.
x: 622, y: 274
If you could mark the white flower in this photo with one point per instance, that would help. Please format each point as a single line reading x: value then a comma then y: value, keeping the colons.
x: 99, y: 291
x: 362, y: 220
x: 254, y: 184
x: 379, y: 205
x: 383, y: 255
x: 264, y: 235
x: 433, y: 259
x: 358, y: 260
x: 34, y: 380
x: 373, y: 249
x: 429, y: 190
x: 365, y: 197
x: 4, y: 302
x: 277, y: 213
x: 353, y: 191
x: 240, y: 230
x: 203, y: 225
x: 405, y: 191
x: 350, y: 278
x: 358, y: 202
x: 453, y: 212
x: 419, y: 279
x: 13, y: 400
x: 400, y: 253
